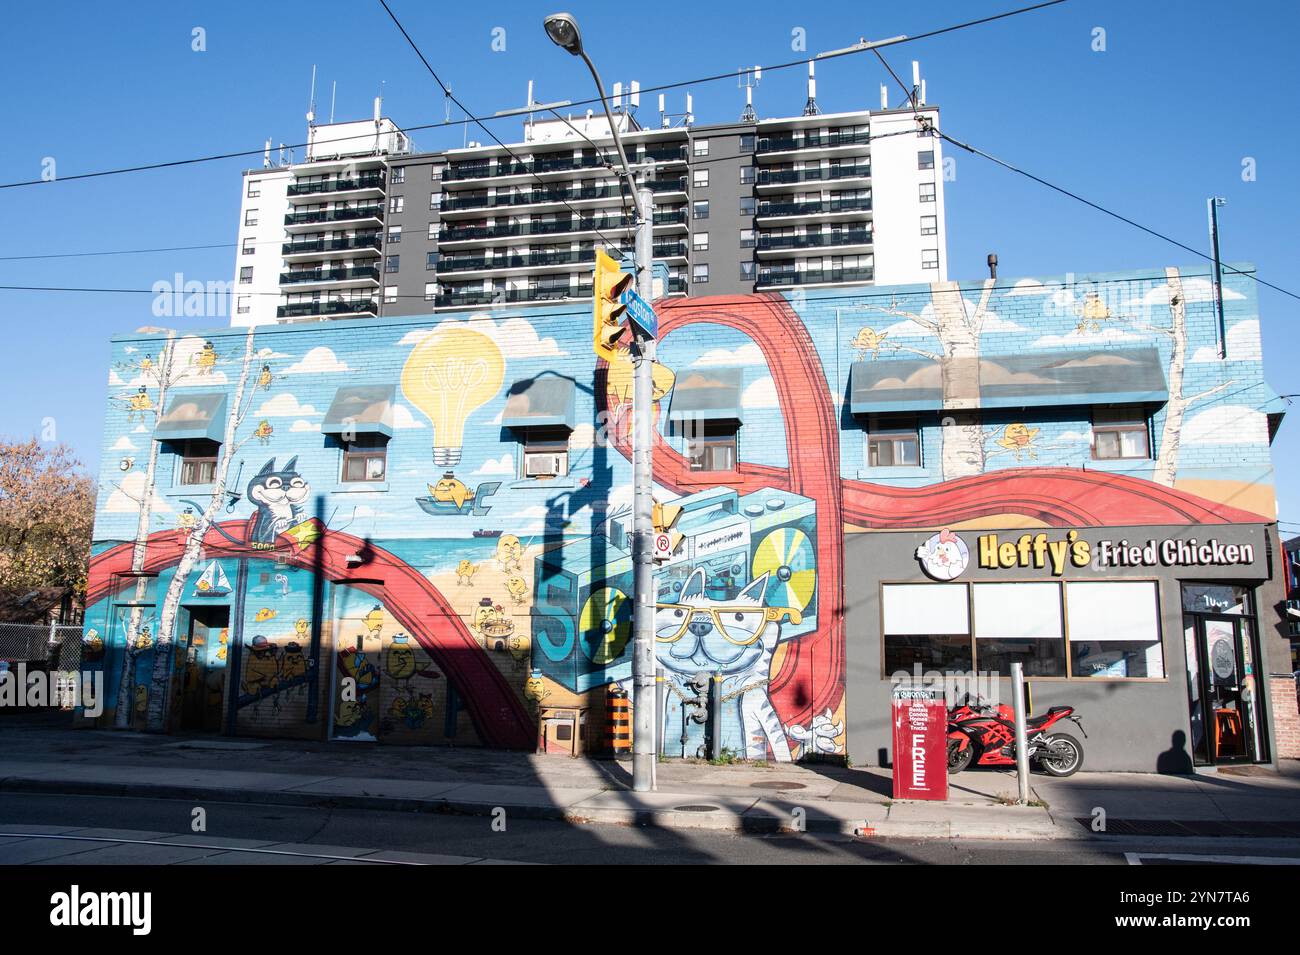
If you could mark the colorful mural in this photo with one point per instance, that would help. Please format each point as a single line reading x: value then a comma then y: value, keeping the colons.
x: 437, y: 592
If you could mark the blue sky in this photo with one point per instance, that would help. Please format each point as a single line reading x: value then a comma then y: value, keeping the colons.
x: 1163, y: 118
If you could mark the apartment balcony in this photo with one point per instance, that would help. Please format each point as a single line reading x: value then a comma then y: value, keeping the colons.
x: 667, y: 187
x: 784, y: 278
x: 676, y: 285
x: 833, y: 143
x: 358, y: 216
x: 661, y: 155
x: 569, y: 226
x: 673, y: 220
x: 538, y: 166
x: 815, y: 209
x: 317, y: 248
x: 570, y: 259
x: 455, y: 203
x: 844, y: 241
x: 779, y: 180
x: 335, y: 308
x: 369, y: 186
x: 368, y: 274
x: 669, y: 250
x: 470, y: 298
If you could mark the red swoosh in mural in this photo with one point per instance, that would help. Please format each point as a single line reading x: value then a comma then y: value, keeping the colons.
x: 810, y: 678
x: 498, y: 715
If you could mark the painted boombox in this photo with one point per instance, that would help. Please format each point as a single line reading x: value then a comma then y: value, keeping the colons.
x: 582, y: 616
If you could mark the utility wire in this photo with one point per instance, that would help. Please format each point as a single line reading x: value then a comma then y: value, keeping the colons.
x: 1100, y: 208
x: 446, y: 91
x: 145, y: 167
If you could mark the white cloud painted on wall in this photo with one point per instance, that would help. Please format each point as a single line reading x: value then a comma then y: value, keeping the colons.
x: 1227, y: 424
x: 318, y: 361
x: 284, y: 405
x: 1243, y: 344
x: 746, y: 354
x: 123, y: 444
x: 760, y: 394
x: 302, y: 424
x: 403, y: 419
x: 1194, y: 290
x: 1076, y: 337
x: 515, y: 336
x: 502, y: 465
x: 126, y: 497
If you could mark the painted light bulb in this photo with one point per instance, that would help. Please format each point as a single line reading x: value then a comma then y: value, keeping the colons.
x: 447, y: 376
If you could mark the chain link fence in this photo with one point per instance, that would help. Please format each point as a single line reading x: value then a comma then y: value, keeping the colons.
x: 57, y: 647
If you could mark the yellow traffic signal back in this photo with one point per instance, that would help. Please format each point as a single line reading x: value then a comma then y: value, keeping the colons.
x: 609, y: 282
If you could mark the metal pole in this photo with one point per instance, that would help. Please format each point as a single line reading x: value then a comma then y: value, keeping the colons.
x: 1022, y: 745
x: 1214, y: 203
x: 643, y: 609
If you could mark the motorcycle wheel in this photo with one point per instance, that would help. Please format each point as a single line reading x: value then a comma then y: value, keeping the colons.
x: 1061, y: 755
x: 959, y: 759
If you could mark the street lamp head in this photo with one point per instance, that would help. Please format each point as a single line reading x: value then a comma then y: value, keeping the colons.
x: 563, y: 31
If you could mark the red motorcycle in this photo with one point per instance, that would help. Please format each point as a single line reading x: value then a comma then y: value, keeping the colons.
x: 980, y: 734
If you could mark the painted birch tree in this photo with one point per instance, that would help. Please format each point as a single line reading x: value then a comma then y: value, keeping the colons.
x: 164, y: 643
x: 958, y: 330
x: 165, y: 374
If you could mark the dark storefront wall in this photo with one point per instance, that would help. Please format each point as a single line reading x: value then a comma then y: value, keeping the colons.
x: 1139, y: 725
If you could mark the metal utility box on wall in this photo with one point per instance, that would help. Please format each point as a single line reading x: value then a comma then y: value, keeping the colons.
x: 562, y: 729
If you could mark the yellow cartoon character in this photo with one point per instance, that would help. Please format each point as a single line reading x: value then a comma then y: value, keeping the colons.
x: 141, y: 700
x: 264, y: 379
x: 465, y: 572
x: 1018, y: 438
x: 375, y: 620
x: 516, y: 587
x: 293, y: 664
x: 300, y: 628
x: 451, y: 489
x: 144, y: 639
x: 400, y: 662
x: 206, y: 359
x: 186, y: 520
x: 868, y: 342
x: 223, y: 639
x: 266, y: 613
x: 519, y: 646
x: 139, y: 405
x: 262, y: 671
x: 1092, y: 313
x: 264, y: 432
x: 146, y: 363
x: 509, y: 552
x: 619, y: 378
x: 535, y: 688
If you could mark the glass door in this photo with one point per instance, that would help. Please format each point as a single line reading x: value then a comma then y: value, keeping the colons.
x: 1222, y: 690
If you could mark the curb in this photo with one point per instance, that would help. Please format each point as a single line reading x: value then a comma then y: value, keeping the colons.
x: 753, y: 821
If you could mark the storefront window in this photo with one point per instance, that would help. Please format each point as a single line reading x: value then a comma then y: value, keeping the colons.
x: 1114, y: 629
x: 926, y: 625
x: 1019, y: 622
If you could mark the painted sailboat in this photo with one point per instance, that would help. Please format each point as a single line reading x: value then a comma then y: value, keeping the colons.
x: 212, y: 582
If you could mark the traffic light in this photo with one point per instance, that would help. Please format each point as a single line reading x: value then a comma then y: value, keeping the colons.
x: 608, y: 284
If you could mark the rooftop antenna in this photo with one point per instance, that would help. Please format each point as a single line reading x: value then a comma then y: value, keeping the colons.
x: 618, y: 95
x: 747, y: 80
x: 916, y: 81
x: 664, y: 121
x: 690, y: 110
x: 311, y: 99
x: 334, y: 90
x: 810, y: 108
x: 884, y: 96
x: 634, y: 99
x: 266, y: 154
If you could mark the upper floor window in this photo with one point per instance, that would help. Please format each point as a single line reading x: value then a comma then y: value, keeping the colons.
x: 396, y: 203
x: 929, y: 258
x: 394, y: 234
x: 249, y: 247
x: 929, y: 225
x: 250, y: 217
x: 747, y: 143
x: 748, y: 205
x: 893, y: 441
x: 747, y: 174
x: 246, y: 275
x: 545, y: 453
x: 1119, y: 433
x: 747, y: 240
x: 254, y: 188
x: 198, y: 461
x: 397, y: 175
x: 925, y: 159
x: 711, y: 446
x: 701, y: 147
x: 701, y: 209
x: 700, y: 178
x: 700, y: 242
x: 927, y: 192
x: 392, y: 263
x: 365, y: 458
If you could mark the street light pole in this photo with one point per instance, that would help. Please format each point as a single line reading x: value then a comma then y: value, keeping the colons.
x: 563, y: 30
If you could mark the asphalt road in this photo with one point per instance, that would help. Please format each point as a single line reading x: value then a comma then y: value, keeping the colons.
x: 314, y: 835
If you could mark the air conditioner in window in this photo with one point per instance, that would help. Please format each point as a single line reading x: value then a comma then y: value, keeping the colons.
x: 542, y: 465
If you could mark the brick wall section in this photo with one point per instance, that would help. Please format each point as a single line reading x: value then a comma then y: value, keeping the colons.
x: 1286, y: 717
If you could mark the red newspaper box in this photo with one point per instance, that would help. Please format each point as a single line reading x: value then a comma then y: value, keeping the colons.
x: 920, y: 744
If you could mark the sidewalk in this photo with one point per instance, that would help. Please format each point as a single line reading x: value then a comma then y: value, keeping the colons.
x: 39, y: 755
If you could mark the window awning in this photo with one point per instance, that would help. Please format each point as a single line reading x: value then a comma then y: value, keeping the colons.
x: 707, y: 394
x: 194, y: 415
x: 1056, y: 378
x: 544, y: 401
x: 361, y: 409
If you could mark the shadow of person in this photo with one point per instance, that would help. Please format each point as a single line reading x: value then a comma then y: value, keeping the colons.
x: 1175, y: 760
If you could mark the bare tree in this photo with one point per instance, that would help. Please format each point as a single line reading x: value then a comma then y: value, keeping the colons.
x: 163, y: 646
x: 958, y: 331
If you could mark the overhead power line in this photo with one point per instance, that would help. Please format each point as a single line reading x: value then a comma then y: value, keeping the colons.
x: 677, y: 84
x: 1100, y: 208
